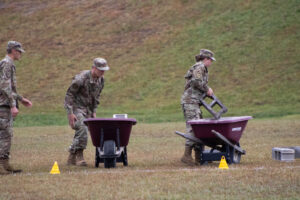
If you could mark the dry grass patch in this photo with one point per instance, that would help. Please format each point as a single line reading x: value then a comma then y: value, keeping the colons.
x: 154, y: 170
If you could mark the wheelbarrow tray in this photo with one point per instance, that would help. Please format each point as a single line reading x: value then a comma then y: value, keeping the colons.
x: 230, y: 127
x: 109, y: 126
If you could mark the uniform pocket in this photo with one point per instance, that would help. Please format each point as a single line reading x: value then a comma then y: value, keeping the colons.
x: 4, y: 124
x: 79, y: 121
x: 192, y: 111
x: 76, y: 125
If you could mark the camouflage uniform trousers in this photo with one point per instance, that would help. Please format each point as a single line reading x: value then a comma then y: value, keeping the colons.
x: 191, y: 112
x: 6, y: 132
x: 81, y: 133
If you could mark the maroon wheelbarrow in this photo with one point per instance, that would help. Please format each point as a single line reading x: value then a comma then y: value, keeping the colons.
x: 222, y: 135
x: 110, y: 136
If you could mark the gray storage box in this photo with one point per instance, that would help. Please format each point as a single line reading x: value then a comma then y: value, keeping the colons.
x: 297, y: 151
x: 283, y: 154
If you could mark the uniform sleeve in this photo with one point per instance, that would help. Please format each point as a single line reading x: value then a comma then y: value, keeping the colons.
x: 16, y: 96
x: 97, y: 98
x: 71, y: 93
x: 198, y: 79
x: 6, y: 85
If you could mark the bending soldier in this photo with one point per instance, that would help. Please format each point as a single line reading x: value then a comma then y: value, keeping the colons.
x: 8, y: 103
x: 196, y: 84
x: 81, y: 101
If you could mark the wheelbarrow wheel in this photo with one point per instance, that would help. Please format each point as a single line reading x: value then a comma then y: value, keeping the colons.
x: 235, y: 155
x: 109, y: 149
x: 110, y: 162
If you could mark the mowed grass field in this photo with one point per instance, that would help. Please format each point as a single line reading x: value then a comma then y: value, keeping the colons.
x: 154, y: 170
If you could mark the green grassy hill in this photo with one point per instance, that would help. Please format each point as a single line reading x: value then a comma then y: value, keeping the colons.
x: 150, y: 45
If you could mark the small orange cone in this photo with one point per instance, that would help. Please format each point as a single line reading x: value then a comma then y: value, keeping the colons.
x: 223, y: 163
x: 55, y: 169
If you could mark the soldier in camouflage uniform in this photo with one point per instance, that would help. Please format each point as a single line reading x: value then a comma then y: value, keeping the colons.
x: 81, y: 101
x: 196, y: 84
x: 8, y: 103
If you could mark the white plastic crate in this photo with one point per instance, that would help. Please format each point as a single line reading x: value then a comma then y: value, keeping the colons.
x: 283, y: 154
x: 122, y: 116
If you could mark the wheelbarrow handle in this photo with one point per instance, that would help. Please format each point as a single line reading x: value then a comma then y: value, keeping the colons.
x: 186, y: 136
x: 209, y: 107
x: 204, y: 95
x: 224, y: 139
x: 197, y: 140
x: 213, y: 97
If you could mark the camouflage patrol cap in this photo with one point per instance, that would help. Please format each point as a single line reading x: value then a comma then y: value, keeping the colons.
x: 15, y: 45
x: 207, y: 53
x: 101, y: 64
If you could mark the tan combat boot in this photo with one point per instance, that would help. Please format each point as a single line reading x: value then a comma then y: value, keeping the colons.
x: 79, y: 158
x: 187, y: 156
x: 9, y: 168
x: 3, y: 171
x: 71, y: 159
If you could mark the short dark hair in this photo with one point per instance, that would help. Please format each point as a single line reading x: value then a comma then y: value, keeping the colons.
x: 199, y: 57
x: 8, y: 51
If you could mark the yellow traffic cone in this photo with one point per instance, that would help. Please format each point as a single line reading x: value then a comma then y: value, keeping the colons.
x: 55, y: 169
x: 223, y: 163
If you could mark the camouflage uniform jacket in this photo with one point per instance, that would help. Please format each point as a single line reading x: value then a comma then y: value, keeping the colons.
x: 84, y: 93
x: 196, y: 84
x: 8, y: 83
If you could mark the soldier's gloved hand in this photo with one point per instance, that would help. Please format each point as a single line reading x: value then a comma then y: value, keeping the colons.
x: 72, y: 119
x: 210, y: 92
x: 14, y: 111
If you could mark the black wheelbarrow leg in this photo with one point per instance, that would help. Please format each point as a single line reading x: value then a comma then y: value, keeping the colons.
x: 101, y: 139
x: 228, y: 154
x: 98, y: 149
x: 201, y: 158
x: 97, y: 158
x: 124, y: 157
x: 118, y: 139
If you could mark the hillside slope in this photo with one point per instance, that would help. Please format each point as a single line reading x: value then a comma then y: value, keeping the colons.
x: 150, y: 45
